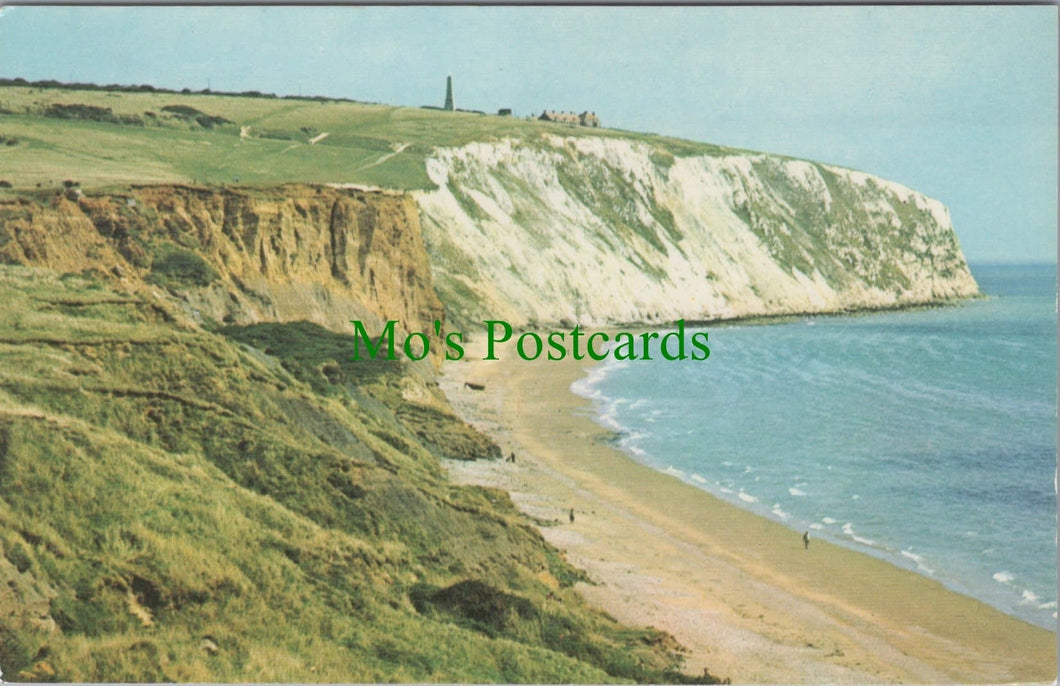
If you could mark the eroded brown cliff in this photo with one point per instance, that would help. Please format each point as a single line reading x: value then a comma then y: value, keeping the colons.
x: 239, y: 255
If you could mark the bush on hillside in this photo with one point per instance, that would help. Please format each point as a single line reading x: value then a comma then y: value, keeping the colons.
x: 177, y: 266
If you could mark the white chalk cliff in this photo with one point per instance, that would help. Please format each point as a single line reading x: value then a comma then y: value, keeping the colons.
x: 606, y: 230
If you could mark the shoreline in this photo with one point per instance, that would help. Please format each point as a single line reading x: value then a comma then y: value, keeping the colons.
x: 738, y: 590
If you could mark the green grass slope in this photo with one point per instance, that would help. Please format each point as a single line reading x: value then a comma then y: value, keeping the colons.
x: 107, y: 139
x: 246, y: 504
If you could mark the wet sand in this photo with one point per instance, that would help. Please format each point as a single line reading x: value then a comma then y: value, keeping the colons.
x: 739, y: 591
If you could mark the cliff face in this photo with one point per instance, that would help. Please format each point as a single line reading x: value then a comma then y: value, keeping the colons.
x: 597, y: 230
x: 604, y: 230
x: 242, y: 256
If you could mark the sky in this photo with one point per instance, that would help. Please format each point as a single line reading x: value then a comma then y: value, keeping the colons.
x: 958, y: 102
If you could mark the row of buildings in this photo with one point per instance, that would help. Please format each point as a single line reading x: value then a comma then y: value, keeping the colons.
x: 584, y: 119
x: 570, y: 118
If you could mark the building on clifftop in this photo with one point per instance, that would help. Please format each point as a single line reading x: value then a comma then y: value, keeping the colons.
x: 584, y: 119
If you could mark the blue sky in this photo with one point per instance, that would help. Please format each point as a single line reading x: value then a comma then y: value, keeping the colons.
x: 957, y: 102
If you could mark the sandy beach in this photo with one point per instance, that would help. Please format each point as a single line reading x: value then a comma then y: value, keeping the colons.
x: 739, y: 591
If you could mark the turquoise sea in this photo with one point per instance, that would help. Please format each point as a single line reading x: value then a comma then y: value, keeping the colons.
x: 926, y: 438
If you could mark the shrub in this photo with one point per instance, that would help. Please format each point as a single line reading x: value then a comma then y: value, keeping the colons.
x: 190, y: 113
x: 90, y: 113
x: 79, y: 111
x: 179, y: 266
x: 182, y: 111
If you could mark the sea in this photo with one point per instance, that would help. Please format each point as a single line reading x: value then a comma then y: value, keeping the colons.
x: 923, y: 437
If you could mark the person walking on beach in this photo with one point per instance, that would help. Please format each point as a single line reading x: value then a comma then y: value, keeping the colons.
x: 806, y: 539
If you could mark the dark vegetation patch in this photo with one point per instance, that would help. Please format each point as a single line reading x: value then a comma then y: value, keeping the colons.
x: 89, y: 113
x: 481, y: 607
x: 477, y: 604
x: 186, y: 113
x: 174, y: 267
x: 317, y: 356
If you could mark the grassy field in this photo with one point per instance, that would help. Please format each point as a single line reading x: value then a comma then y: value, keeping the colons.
x: 117, y: 138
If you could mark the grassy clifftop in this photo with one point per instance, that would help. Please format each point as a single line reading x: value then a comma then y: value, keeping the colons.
x: 106, y: 138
